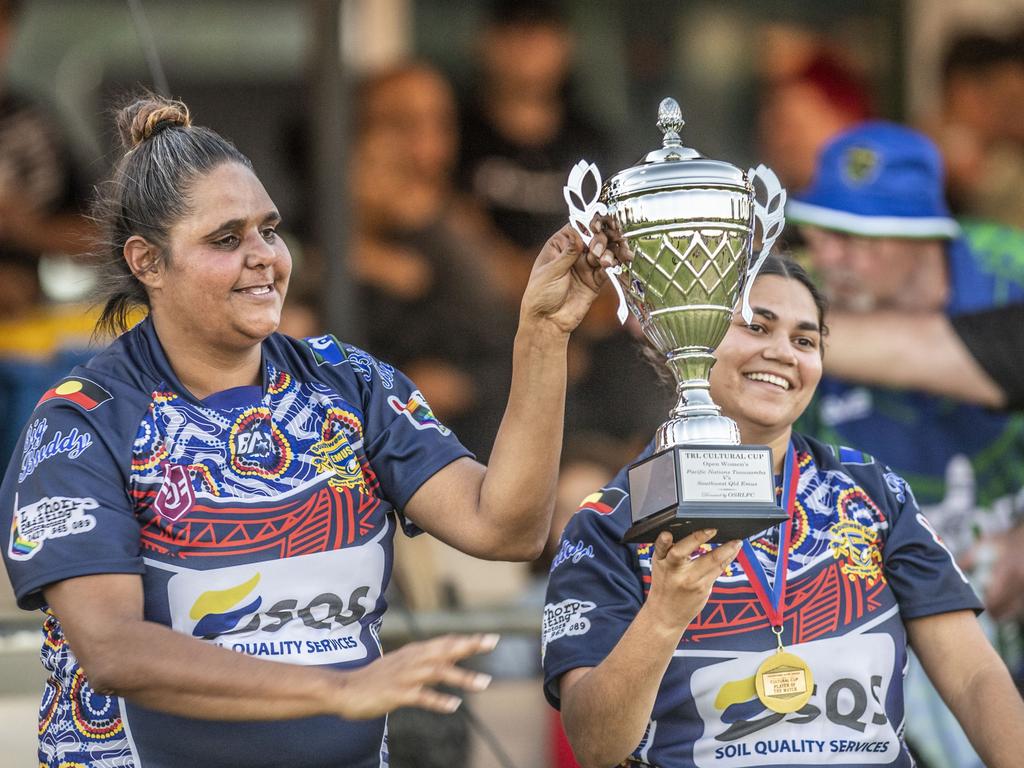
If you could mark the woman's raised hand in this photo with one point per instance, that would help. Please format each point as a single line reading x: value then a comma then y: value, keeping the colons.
x: 681, y: 583
x: 405, y: 677
x: 568, y: 274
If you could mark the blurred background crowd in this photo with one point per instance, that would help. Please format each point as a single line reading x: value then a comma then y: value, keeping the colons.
x: 417, y: 151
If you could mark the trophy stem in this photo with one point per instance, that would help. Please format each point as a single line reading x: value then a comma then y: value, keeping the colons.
x: 691, y: 367
x: 695, y: 419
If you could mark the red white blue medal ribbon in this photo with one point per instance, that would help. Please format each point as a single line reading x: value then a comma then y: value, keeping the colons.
x: 772, y: 596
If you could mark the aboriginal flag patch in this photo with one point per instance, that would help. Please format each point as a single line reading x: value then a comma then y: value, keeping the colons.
x: 82, y: 392
x: 605, y: 501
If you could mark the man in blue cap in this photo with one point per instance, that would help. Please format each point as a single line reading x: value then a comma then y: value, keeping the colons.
x: 886, y: 248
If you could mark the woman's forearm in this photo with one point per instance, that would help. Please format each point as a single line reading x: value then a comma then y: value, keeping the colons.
x: 524, y: 461
x: 604, y: 726
x: 992, y: 715
x: 189, y: 677
x: 977, y: 688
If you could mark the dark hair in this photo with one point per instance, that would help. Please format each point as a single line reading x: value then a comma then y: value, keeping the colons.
x: 148, y: 192
x: 784, y: 266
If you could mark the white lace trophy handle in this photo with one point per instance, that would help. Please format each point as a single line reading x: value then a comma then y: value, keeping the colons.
x: 582, y: 212
x: 770, y: 214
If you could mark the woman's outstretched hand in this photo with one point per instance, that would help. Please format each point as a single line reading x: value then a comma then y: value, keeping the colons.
x: 568, y: 274
x: 405, y: 677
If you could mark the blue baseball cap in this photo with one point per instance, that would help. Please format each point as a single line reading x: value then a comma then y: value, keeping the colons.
x: 877, y: 179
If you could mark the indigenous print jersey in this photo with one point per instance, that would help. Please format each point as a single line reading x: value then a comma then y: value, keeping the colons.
x: 862, y: 559
x: 260, y: 520
x: 965, y: 462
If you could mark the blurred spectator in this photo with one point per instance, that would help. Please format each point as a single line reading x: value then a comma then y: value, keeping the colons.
x: 42, y: 196
x: 981, y: 126
x: 420, y: 259
x: 977, y: 357
x: 521, y: 133
x: 802, y: 110
x: 879, y: 231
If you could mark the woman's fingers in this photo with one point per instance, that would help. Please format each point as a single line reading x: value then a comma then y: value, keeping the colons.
x: 435, y: 701
x: 680, y: 552
x: 436, y: 660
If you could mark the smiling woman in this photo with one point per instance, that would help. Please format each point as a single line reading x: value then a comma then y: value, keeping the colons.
x: 731, y: 653
x: 207, y: 498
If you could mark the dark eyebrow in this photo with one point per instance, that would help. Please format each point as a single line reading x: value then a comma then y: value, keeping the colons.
x: 803, y: 325
x: 233, y: 224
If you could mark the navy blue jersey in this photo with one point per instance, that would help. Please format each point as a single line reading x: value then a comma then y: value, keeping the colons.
x: 862, y: 560
x: 259, y: 519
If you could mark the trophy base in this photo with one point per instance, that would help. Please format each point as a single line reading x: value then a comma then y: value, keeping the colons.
x: 686, y: 488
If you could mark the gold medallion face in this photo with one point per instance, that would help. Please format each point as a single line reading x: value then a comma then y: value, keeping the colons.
x: 784, y: 682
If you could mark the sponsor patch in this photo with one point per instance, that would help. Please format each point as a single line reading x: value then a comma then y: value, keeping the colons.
x: 176, y: 495
x: 303, y: 610
x: 36, y: 451
x: 52, y: 517
x: 564, y: 619
x: 82, y: 392
x: 417, y: 411
x: 572, y: 552
x: 844, y: 723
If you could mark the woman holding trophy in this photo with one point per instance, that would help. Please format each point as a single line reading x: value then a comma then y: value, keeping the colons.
x: 207, y: 498
x: 788, y: 646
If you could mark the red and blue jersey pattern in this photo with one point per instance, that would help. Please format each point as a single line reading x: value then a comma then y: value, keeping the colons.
x: 260, y: 519
x: 862, y: 559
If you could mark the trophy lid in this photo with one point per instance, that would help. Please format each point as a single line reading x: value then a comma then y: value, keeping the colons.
x: 673, y: 166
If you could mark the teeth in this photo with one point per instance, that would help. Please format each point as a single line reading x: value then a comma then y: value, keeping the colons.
x: 258, y: 290
x: 769, y: 378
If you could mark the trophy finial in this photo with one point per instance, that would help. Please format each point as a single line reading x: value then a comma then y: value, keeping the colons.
x: 670, y: 121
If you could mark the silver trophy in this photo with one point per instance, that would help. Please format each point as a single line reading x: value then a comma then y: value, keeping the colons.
x: 690, y: 223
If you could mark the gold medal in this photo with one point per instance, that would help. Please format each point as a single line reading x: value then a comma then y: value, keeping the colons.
x: 784, y: 682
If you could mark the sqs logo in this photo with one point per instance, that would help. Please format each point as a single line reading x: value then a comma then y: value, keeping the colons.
x: 308, y: 610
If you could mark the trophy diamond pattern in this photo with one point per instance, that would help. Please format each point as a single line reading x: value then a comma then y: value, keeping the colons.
x: 691, y: 280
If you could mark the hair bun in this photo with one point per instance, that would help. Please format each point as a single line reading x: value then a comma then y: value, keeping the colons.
x: 146, y: 117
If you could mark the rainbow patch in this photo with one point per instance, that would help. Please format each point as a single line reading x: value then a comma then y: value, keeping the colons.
x: 21, y: 548
x: 417, y: 411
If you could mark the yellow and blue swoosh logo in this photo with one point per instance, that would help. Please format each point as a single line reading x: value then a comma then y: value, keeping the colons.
x: 212, y: 609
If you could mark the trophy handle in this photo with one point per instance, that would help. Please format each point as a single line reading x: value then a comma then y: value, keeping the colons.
x: 582, y: 212
x: 770, y: 212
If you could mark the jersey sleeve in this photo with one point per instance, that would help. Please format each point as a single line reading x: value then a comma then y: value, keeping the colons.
x: 593, y: 595
x: 405, y: 443
x: 65, y: 505
x: 921, y: 571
